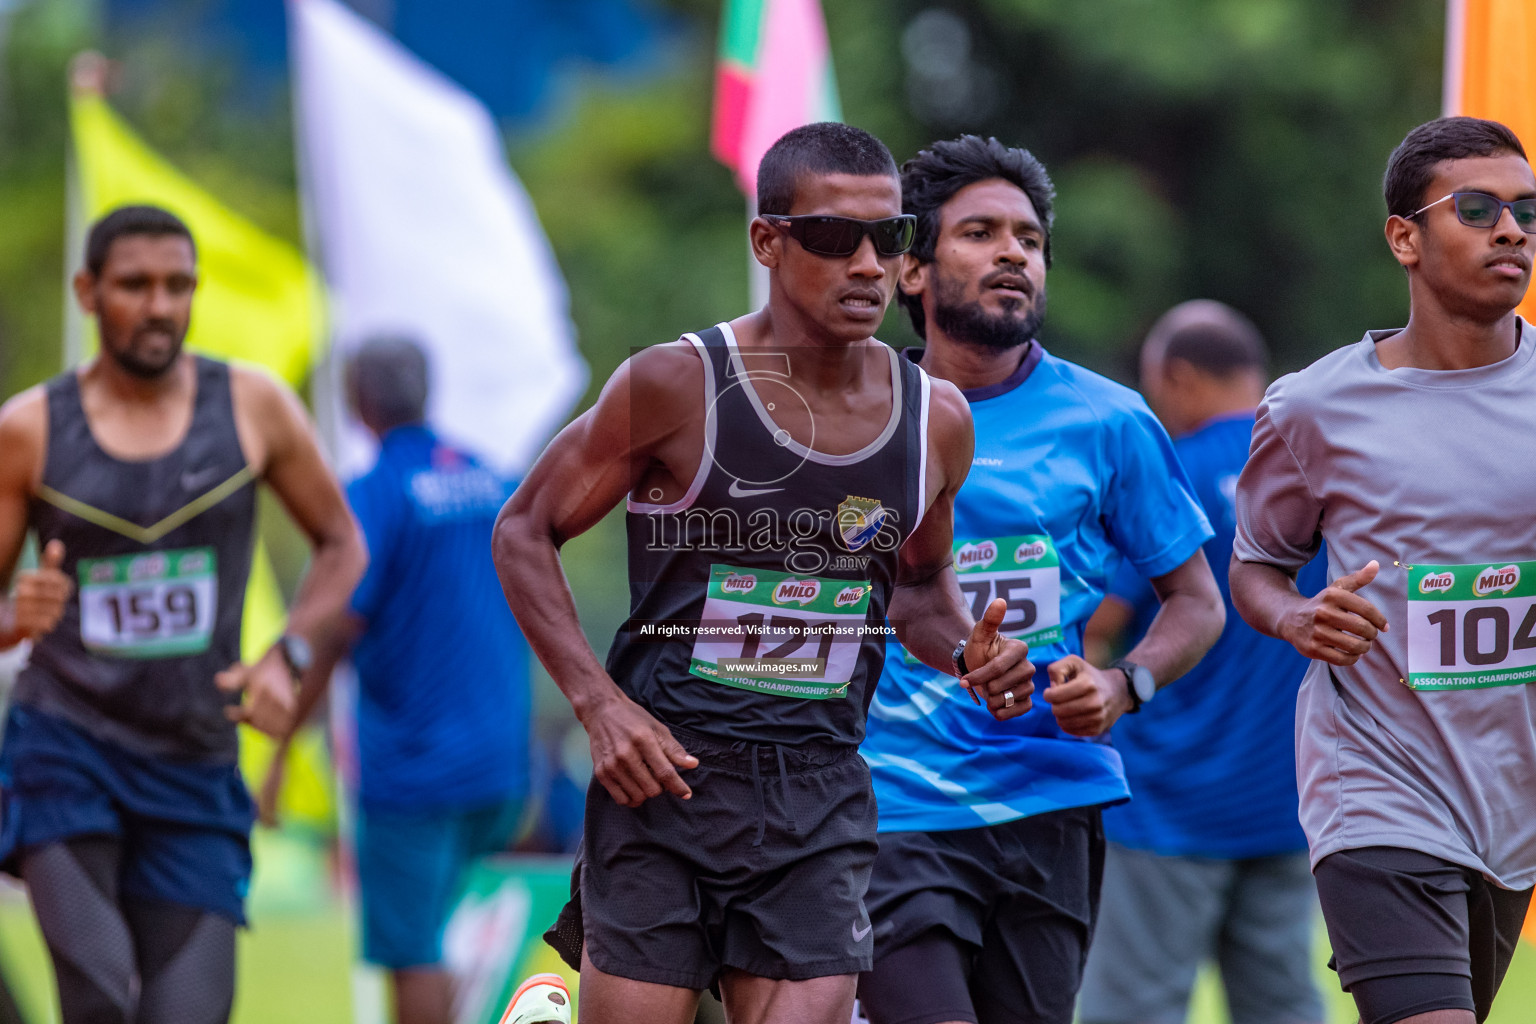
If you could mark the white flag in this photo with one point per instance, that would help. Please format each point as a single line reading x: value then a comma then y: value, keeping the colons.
x: 423, y: 230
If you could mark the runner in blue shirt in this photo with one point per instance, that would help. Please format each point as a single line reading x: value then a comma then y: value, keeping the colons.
x: 1208, y: 860
x: 985, y: 888
x: 443, y: 702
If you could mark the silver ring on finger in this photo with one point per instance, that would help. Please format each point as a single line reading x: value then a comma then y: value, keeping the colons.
x: 1008, y: 699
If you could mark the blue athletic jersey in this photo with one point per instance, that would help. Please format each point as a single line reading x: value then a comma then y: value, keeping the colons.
x: 443, y: 687
x: 1212, y: 761
x: 1071, y: 473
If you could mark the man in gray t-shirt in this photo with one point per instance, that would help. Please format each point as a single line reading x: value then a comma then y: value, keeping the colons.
x: 1411, y: 454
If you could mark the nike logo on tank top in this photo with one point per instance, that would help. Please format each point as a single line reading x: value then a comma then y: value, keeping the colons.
x: 159, y: 551
x: 758, y: 599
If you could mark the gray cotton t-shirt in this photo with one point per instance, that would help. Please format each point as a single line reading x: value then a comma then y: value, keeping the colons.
x: 1433, y: 474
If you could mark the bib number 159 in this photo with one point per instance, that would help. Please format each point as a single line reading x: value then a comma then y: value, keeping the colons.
x: 154, y: 605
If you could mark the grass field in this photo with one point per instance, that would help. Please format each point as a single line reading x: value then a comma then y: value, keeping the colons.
x: 296, y: 960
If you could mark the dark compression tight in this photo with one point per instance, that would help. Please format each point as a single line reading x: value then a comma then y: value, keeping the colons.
x: 123, y: 960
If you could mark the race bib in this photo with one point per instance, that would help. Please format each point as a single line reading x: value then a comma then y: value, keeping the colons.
x: 154, y: 605
x: 772, y: 632
x: 1471, y: 626
x: 1023, y: 571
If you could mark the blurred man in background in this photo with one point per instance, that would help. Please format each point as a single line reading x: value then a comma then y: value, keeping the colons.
x: 986, y: 886
x: 1208, y: 860
x: 443, y: 700
x: 124, y: 808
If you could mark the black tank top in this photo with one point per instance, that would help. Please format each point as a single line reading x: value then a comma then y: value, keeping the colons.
x: 159, y: 551
x: 758, y: 600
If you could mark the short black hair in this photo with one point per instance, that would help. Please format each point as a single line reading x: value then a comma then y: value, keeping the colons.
x: 1212, y: 337
x: 131, y: 220
x: 931, y: 179
x: 826, y: 147
x: 1412, y: 164
x: 389, y: 375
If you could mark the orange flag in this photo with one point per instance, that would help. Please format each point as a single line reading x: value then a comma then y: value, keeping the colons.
x: 1487, y: 74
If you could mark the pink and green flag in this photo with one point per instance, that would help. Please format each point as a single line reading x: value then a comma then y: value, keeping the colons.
x: 775, y: 73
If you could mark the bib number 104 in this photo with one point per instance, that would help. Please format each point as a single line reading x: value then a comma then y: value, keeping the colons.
x: 1471, y: 626
x: 1485, y: 636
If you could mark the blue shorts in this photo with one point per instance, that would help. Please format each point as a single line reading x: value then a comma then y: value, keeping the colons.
x: 185, y: 825
x: 411, y: 866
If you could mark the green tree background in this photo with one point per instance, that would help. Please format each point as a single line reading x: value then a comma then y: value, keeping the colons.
x: 1222, y: 148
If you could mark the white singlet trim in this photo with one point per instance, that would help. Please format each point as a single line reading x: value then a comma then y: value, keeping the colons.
x: 811, y: 454
x: 692, y: 494
x: 922, y: 464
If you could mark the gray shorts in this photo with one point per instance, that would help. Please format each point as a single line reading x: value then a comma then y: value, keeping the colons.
x: 1161, y: 917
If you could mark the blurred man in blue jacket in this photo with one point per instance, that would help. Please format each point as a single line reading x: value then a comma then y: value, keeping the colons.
x: 1208, y: 860
x: 443, y: 679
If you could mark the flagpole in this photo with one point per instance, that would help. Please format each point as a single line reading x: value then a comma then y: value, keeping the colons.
x: 87, y: 74
x: 1455, y: 56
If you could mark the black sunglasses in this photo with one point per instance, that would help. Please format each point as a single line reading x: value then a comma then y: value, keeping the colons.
x: 1479, y: 210
x: 841, y: 236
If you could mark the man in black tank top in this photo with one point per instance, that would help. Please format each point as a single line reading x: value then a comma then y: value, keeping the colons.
x: 789, y: 485
x: 121, y: 803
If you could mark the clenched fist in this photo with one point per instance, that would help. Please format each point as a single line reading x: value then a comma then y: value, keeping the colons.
x: 38, y: 601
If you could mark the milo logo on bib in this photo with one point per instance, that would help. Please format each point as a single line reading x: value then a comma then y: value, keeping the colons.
x: 1436, y: 583
x: 850, y: 596
x: 734, y: 584
x: 1496, y: 581
x: 1471, y: 626
x: 975, y: 556
x: 1031, y: 551
x: 793, y: 591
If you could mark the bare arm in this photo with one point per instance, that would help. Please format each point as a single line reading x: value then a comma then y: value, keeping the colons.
x: 648, y: 416
x: 1104, y: 629
x: 1088, y: 700
x: 927, y: 609
x: 280, y: 443
x: 1336, y: 626
x: 37, y: 602
x: 329, y: 648
x: 1189, y: 621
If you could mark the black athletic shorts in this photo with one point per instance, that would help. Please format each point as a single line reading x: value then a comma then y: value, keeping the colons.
x: 1413, y: 933
x: 1014, y: 903
x: 763, y: 870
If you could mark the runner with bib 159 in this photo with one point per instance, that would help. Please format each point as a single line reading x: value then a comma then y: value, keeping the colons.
x: 1408, y: 453
x: 123, y: 805
x: 789, y: 483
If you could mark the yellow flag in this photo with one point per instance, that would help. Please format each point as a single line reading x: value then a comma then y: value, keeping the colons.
x: 258, y: 301
x: 1488, y: 74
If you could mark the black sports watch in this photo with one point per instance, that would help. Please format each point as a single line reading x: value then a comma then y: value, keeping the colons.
x: 1138, y: 682
x: 296, y: 654
x: 958, y: 657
